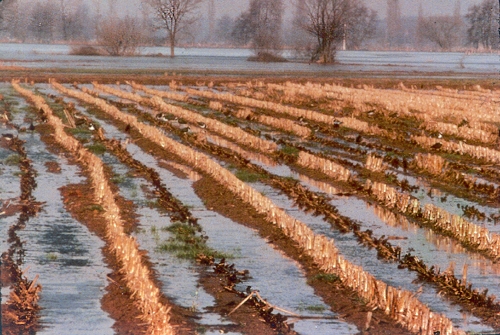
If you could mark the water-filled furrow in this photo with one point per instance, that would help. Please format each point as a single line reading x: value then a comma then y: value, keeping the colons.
x: 64, y: 253
x: 415, y: 241
x: 384, y: 234
x: 450, y: 203
x: 481, y: 272
x: 179, y: 277
x: 367, y: 258
x: 276, y: 276
x: 9, y: 196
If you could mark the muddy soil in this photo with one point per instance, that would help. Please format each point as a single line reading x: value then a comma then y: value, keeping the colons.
x: 344, y: 302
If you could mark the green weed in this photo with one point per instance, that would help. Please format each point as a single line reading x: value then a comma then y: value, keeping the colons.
x: 248, y: 177
x: 13, y: 159
x: 96, y: 148
x: 187, y: 244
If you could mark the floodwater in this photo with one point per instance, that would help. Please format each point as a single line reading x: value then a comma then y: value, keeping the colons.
x: 352, y: 251
x: 212, y: 59
x: 278, y: 279
x: 65, y: 255
x: 482, y: 273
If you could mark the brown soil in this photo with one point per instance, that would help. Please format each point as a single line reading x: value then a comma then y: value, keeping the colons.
x: 342, y: 301
x: 78, y: 200
x: 157, y: 77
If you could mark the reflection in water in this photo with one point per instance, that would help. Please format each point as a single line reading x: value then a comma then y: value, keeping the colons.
x: 192, y: 174
x: 214, y: 139
x: 393, y: 219
x: 482, y: 272
x: 323, y: 187
x: 278, y: 278
x: 65, y: 254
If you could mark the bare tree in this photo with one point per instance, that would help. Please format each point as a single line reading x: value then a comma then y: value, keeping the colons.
x: 261, y: 25
x: 394, y: 29
x: 97, y: 17
x: 174, y: 16
x: 482, y: 24
x: 444, y: 31
x: 326, y: 21
x: 74, y: 20
x: 223, y: 29
x: 242, y: 31
x: 64, y: 9
x: 360, y: 26
x: 43, y: 21
x: 120, y: 36
x: 79, y: 24
x: 14, y: 24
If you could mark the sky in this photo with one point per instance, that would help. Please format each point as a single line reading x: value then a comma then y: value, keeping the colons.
x: 408, y: 7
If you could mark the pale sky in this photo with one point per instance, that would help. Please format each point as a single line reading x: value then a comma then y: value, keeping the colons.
x: 408, y: 7
x: 235, y: 7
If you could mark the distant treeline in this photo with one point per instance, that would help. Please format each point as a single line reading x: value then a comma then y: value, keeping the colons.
x: 313, y: 33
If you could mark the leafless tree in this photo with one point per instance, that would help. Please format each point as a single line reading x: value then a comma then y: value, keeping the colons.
x: 65, y: 9
x: 12, y: 22
x: 43, y: 21
x: 261, y: 25
x: 223, y: 29
x: 482, y: 25
x: 444, y: 31
x: 327, y: 20
x: 97, y: 15
x: 174, y: 16
x: 394, y: 33
x: 120, y: 36
x: 360, y: 26
x: 79, y: 23
x: 74, y: 22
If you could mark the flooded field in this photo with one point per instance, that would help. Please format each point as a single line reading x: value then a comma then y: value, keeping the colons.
x: 213, y: 60
x: 254, y: 207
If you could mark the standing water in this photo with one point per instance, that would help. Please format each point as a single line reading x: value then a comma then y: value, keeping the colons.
x: 65, y: 255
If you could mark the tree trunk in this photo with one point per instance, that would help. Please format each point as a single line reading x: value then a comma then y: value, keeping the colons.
x: 325, y: 52
x: 172, y: 44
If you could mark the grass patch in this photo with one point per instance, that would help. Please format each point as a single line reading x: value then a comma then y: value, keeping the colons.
x: 97, y: 148
x: 186, y: 244
x: 248, y: 177
x: 326, y: 277
x: 78, y: 131
x: 311, y: 308
x: 315, y: 308
x: 13, y: 159
x: 290, y: 151
x: 51, y: 256
x: 95, y: 207
x: 118, y: 179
